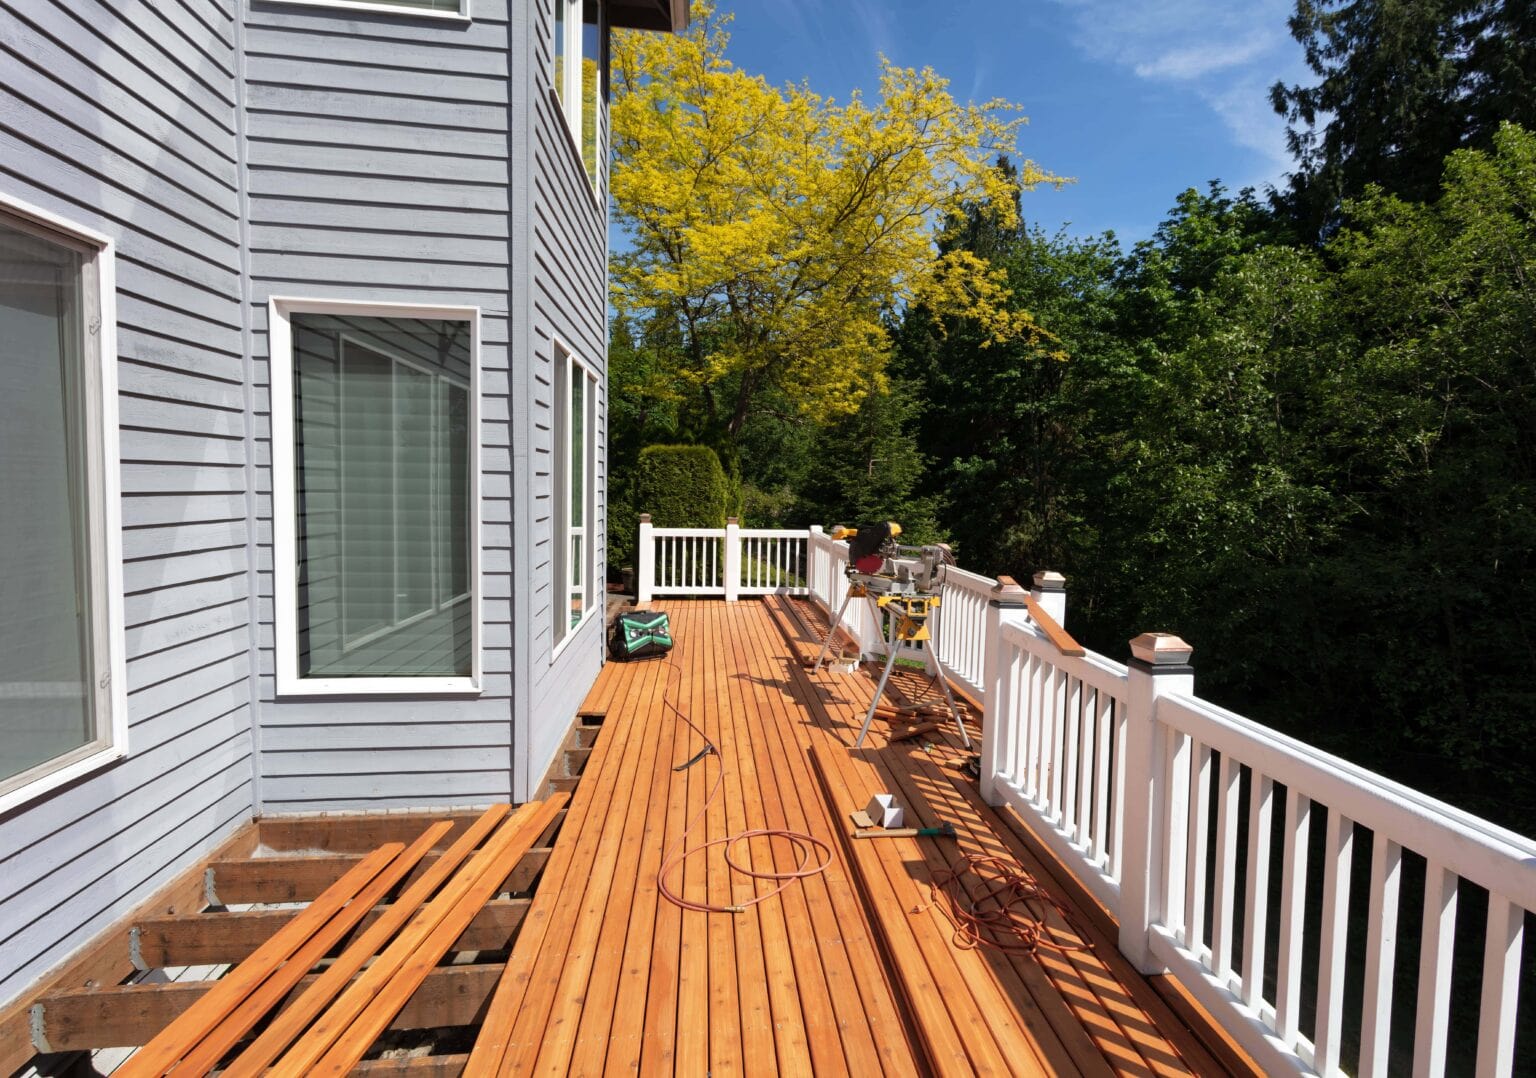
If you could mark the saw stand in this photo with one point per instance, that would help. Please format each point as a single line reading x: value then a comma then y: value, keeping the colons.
x: 907, y: 624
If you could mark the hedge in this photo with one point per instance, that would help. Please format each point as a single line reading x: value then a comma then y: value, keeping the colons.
x: 682, y: 486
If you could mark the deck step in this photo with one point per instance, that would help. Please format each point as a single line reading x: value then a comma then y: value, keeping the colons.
x: 576, y: 760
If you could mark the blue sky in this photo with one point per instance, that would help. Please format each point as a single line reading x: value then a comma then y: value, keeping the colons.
x: 1136, y: 99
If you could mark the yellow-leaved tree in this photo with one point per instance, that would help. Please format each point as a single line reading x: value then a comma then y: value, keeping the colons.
x: 772, y: 231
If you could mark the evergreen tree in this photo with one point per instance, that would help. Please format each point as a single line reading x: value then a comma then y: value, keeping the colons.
x: 1401, y: 84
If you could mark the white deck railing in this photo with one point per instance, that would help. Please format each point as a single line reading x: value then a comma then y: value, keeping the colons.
x: 1171, y: 811
x: 730, y: 561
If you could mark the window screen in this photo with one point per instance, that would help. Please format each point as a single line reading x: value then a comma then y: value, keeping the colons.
x: 47, y: 698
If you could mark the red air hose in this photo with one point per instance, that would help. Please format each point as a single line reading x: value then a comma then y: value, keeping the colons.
x: 804, y: 844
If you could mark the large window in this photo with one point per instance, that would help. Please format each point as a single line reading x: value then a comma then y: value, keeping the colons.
x: 374, y: 497
x: 575, y: 461
x: 62, y: 709
x: 580, y: 61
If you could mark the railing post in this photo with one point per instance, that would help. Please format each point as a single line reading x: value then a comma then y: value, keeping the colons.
x: 998, y: 721
x: 1050, y: 591
x: 812, y: 561
x: 732, y: 569
x: 1159, y: 664
x: 647, y: 575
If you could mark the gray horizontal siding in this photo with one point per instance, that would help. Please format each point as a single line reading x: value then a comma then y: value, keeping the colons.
x: 379, y: 165
x: 568, y: 301
x: 122, y: 116
x: 382, y: 157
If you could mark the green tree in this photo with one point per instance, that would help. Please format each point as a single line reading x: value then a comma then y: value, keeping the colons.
x: 1401, y: 84
x: 1437, y: 579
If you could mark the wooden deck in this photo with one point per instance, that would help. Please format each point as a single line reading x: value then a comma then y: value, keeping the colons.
x: 854, y: 971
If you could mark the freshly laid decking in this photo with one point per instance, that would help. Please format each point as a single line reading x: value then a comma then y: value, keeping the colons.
x: 854, y: 971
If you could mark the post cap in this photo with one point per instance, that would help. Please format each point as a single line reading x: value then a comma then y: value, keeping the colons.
x: 1161, y: 649
x: 1050, y: 580
x: 645, y: 518
x: 731, y: 520
x: 1007, y: 588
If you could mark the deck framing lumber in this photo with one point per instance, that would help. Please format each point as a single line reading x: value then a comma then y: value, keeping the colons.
x: 282, y: 1031
x: 224, y: 938
x: 272, y: 880
x: 85, y: 1019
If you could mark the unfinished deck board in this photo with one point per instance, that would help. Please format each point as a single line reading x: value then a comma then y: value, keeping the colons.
x: 1104, y: 998
x: 835, y: 975
x: 281, y: 1032
x: 781, y: 729
x: 834, y: 1004
x: 182, y: 1035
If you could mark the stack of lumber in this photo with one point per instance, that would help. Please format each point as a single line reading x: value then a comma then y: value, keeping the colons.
x: 335, y: 1020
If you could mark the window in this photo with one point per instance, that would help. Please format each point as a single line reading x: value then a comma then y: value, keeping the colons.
x: 453, y: 9
x: 63, y: 710
x: 575, y: 455
x: 579, y: 64
x: 375, y: 513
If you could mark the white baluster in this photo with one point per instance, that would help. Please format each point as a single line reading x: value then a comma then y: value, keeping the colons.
x: 1261, y: 799
x: 1334, y: 941
x: 1437, y: 948
x: 1380, y: 953
x: 1501, y: 988
x: 1293, y: 902
x: 1223, y: 907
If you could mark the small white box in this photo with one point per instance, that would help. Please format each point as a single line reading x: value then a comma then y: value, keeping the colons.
x: 884, y: 811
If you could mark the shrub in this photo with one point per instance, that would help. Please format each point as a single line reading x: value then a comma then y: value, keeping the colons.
x: 682, y: 486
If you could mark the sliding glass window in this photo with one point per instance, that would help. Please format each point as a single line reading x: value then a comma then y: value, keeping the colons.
x: 575, y: 463
x: 58, y: 487
x: 382, y: 519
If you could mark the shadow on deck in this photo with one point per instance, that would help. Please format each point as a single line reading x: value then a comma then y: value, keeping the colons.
x: 858, y: 970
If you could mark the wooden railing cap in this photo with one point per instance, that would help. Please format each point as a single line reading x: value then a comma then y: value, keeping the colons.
x: 1161, y: 649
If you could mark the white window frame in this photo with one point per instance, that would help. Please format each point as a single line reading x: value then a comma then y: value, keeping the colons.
x: 104, y: 529
x: 285, y: 582
x: 568, y: 89
x: 568, y: 366
x: 462, y: 15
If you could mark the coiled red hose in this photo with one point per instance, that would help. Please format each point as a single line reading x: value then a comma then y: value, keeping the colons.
x: 804, y: 845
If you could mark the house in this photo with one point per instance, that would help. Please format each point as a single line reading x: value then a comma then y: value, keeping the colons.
x: 302, y: 412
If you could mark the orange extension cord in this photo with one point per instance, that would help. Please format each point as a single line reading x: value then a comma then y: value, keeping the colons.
x: 803, y: 844
x: 1008, y: 915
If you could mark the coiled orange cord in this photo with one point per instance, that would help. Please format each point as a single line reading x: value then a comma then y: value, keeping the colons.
x: 1009, y: 914
x: 803, y: 844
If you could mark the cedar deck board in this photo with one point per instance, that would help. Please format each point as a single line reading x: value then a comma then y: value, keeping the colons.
x: 802, y: 982
x: 1099, y: 983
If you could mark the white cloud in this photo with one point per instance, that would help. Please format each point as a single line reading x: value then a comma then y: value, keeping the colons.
x: 1228, y: 52
x: 1194, y: 61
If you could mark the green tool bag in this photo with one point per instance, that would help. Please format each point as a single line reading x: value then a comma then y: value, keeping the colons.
x: 640, y: 634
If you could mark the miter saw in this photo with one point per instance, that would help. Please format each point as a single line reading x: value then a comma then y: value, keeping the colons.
x: 902, y: 585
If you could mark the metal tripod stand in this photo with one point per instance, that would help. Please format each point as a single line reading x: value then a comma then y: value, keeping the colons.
x: 908, y: 623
